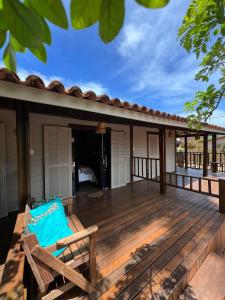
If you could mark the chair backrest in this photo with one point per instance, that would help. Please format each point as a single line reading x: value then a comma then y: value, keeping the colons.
x: 41, y: 271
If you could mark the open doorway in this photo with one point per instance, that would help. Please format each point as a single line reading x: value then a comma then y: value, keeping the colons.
x: 91, y: 160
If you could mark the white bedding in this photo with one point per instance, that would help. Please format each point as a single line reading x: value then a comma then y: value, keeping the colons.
x: 87, y: 174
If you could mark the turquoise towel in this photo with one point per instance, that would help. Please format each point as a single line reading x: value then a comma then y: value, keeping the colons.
x: 49, y: 224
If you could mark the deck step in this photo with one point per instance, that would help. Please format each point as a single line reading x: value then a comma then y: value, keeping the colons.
x: 208, y: 282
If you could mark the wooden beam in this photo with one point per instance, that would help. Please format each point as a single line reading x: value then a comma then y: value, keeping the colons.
x: 205, y: 155
x: 23, y: 155
x: 185, y: 152
x: 162, y: 156
x: 131, y: 151
x: 214, y: 160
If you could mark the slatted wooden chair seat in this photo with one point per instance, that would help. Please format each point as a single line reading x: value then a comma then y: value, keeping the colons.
x: 80, y: 249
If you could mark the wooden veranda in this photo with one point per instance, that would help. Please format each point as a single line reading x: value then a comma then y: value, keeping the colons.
x: 149, y: 244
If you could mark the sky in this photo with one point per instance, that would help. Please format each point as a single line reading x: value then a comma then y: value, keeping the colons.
x: 145, y: 64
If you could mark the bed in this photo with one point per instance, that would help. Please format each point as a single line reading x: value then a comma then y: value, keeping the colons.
x: 86, y: 174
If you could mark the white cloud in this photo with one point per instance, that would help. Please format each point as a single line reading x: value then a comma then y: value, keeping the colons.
x: 85, y: 86
x: 153, y: 58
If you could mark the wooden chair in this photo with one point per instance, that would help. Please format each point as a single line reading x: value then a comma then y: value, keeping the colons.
x: 81, y: 248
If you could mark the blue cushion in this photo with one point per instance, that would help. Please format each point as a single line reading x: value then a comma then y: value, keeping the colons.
x: 45, y: 206
x: 50, y: 225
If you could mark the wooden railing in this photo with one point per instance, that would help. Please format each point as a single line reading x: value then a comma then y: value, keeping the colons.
x: 203, y: 185
x: 146, y: 168
x: 195, y: 160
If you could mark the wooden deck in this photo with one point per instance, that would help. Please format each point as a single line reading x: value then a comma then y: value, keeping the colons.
x: 149, y: 245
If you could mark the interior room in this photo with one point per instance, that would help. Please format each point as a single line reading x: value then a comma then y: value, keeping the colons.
x: 91, y: 160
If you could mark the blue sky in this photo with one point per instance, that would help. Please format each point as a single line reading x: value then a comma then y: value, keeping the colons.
x: 144, y: 64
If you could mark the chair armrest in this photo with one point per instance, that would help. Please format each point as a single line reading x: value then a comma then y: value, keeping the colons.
x: 68, y: 202
x: 76, y: 237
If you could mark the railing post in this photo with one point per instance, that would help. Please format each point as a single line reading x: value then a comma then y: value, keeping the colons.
x: 185, y: 152
x: 222, y: 196
x: 131, y: 153
x: 205, y: 155
x: 162, y: 162
x: 214, y: 162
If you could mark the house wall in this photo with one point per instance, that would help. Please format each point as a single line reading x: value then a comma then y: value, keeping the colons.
x: 8, y: 117
x: 37, y: 121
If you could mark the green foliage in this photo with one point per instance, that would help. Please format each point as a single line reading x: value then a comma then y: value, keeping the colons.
x: 84, y: 13
x: 202, y: 32
x: 24, y: 23
x: 9, y: 57
x: 53, y: 10
x: 153, y: 3
x: 111, y: 19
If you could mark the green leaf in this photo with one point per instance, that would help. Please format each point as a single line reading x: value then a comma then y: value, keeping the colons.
x: 2, y: 37
x: 16, y: 45
x: 84, y: 13
x: 3, y: 24
x: 111, y: 19
x: 220, y: 11
x: 23, y: 23
x: 153, y: 3
x: 40, y: 53
x: 53, y: 10
x: 223, y: 29
x: 9, y: 57
x: 45, y: 27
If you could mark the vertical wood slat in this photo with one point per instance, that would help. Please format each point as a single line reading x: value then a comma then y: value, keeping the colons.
x: 205, y: 155
x: 23, y: 157
x: 222, y: 196
x: 162, y: 156
x: 131, y: 153
x: 200, y: 185
x: 209, y: 186
x: 191, y: 184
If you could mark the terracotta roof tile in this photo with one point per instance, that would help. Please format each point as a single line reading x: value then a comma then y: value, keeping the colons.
x: 115, y: 102
x: 103, y: 99
x: 56, y: 86
x: 90, y: 95
x: 35, y: 81
x: 74, y: 91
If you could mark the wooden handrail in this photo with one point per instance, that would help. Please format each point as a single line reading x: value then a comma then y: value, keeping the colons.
x: 191, y: 179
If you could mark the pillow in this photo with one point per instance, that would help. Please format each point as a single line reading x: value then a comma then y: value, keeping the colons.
x: 51, y: 225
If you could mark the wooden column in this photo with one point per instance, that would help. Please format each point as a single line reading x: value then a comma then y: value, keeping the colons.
x: 185, y: 152
x: 162, y: 156
x: 131, y: 151
x: 205, y: 155
x: 214, y: 164
x: 23, y: 155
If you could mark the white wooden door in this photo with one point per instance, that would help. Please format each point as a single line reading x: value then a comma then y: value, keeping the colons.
x: 58, y: 160
x: 153, y: 152
x: 3, y: 176
x: 118, y: 159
